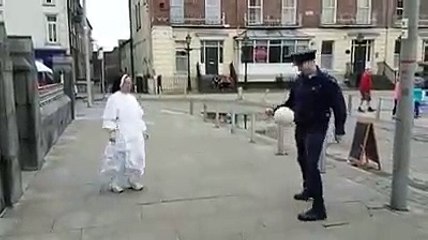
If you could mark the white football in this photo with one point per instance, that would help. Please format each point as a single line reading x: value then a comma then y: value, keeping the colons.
x: 284, y: 116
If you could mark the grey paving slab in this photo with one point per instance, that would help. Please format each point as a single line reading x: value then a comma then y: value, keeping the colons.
x: 72, y: 235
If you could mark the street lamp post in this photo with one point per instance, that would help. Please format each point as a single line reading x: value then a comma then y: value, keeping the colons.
x: 188, y: 50
x: 101, y: 58
x: 87, y: 55
x: 246, y: 53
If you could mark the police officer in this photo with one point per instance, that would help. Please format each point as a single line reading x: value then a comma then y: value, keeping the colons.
x: 313, y: 96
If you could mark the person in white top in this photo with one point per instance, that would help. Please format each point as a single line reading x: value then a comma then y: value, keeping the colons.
x: 127, y: 131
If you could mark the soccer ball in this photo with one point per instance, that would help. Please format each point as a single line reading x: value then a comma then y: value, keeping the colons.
x: 284, y: 116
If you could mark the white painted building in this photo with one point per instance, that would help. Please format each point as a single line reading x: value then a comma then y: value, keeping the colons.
x: 46, y: 21
x: 141, y: 38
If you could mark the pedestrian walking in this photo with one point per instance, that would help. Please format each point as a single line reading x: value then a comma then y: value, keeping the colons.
x: 312, y: 98
x: 418, y: 95
x: 159, y: 84
x: 365, y: 88
x: 124, y: 159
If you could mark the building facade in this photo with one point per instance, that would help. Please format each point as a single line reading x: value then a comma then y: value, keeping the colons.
x: 76, y: 37
x: 54, y: 26
x: 141, y: 41
x: 45, y: 21
x: 349, y: 36
x: 125, y: 56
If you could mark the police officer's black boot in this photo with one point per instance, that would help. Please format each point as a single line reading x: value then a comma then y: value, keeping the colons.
x: 316, y: 213
x: 303, y: 196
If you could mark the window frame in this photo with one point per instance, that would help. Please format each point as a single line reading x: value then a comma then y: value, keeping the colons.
x: 363, y: 9
x: 255, y: 8
x: 285, y: 43
x: 285, y: 9
x: 334, y: 12
x: 55, y: 29
x: 329, y: 55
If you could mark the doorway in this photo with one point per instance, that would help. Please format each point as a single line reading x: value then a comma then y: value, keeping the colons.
x: 361, y: 57
x: 211, y: 66
x: 212, y: 56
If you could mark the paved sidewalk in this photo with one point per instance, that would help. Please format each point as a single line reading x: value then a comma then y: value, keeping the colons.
x: 385, y: 128
x: 202, y: 183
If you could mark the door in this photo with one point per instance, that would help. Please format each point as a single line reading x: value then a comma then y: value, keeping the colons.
x: 211, y: 65
x: 359, y: 49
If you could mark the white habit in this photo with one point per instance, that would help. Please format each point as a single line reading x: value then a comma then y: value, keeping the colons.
x: 124, y: 160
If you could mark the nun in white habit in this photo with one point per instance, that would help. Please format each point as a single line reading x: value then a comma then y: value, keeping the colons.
x: 124, y: 159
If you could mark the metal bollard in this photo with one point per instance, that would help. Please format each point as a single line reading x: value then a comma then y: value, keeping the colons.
x: 191, y: 106
x: 379, y: 108
x: 205, y: 113
x: 233, y: 122
x: 240, y: 93
x: 281, y: 141
x: 349, y: 104
x: 253, y: 128
x: 217, y: 120
x: 265, y: 95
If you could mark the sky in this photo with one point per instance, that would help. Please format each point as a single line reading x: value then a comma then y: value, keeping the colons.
x: 109, y: 20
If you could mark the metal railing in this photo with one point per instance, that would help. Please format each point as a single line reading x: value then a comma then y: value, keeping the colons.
x: 49, y: 93
x: 274, y: 22
x: 388, y: 71
x: 348, y: 20
x: 199, y: 21
x: 423, y: 20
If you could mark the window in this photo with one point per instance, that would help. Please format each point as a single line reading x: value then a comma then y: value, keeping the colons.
x: 181, y: 61
x: 288, y: 47
x: 399, y: 11
x: 45, y: 2
x: 212, y: 11
x: 138, y: 16
x: 289, y: 12
x: 177, y: 11
x: 397, y: 49
x: 364, y: 11
x: 52, y: 29
x: 212, y: 44
x: 327, y: 54
x: 255, y: 12
x: 273, y: 51
x: 328, y: 11
x: 260, y: 51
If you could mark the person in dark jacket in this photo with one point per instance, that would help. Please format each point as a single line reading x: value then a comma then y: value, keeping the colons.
x: 312, y: 98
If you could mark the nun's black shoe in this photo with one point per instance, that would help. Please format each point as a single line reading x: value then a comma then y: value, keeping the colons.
x: 312, y: 215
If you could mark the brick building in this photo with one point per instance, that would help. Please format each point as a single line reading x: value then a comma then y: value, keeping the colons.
x: 348, y: 34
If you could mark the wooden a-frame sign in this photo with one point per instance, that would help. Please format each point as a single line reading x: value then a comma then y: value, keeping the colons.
x: 364, y: 145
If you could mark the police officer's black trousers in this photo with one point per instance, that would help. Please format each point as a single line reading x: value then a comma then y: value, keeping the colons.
x: 309, y: 146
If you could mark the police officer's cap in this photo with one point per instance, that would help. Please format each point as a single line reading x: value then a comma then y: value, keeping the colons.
x: 300, y: 57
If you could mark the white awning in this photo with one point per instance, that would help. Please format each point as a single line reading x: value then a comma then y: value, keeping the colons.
x: 43, y: 68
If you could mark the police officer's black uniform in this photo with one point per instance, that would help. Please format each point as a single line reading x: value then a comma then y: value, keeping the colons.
x: 312, y: 98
